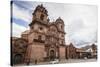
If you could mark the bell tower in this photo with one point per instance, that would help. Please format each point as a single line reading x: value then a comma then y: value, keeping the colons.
x: 60, y: 25
x: 37, y: 36
x: 40, y: 13
x: 40, y: 17
x: 39, y: 22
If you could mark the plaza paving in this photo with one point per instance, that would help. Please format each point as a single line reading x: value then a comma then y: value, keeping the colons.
x: 62, y: 61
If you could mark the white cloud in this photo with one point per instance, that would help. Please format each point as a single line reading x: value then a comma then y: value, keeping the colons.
x: 20, y: 13
x: 82, y: 23
x: 80, y: 20
x: 83, y: 36
x: 17, y: 29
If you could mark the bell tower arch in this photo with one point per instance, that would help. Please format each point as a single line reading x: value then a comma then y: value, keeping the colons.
x: 40, y: 13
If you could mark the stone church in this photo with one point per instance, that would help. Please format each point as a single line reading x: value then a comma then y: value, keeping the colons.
x: 45, y: 41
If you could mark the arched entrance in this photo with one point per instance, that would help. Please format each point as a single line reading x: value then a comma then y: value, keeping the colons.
x: 18, y: 59
x: 52, y: 55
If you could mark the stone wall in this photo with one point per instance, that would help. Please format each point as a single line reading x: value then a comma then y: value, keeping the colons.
x: 37, y: 52
x: 62, y: 52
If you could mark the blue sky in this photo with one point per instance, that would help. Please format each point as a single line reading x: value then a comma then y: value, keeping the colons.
x: 80, y: 20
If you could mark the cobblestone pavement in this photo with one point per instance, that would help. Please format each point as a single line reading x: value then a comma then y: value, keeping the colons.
x: 78, y: 60
x: 62, y: 61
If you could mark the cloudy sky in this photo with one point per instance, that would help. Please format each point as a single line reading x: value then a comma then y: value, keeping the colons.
x: 80, y: 20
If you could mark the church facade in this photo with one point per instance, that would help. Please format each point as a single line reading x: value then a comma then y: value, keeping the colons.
x: 45, y: 41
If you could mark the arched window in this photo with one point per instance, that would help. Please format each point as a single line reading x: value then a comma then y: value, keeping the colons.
x: 17, y: 59
x: 61, y: 26
x: 41, y: 28
x: 42, y: 17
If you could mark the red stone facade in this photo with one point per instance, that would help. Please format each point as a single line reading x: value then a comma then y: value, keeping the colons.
x: 45, y: 40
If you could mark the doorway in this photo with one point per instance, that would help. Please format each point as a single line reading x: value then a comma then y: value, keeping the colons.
x: 18, y: 59
x: 52, y: 55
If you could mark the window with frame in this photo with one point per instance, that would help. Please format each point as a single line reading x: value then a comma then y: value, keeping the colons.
x: 61, y: 26
x: 41, y: 28
x: 42, y: 17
